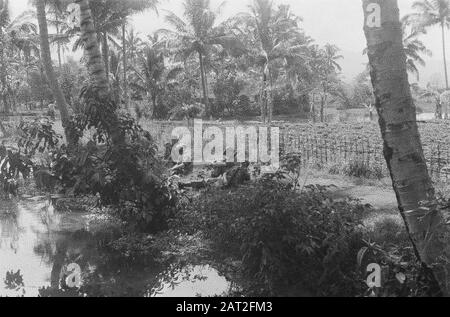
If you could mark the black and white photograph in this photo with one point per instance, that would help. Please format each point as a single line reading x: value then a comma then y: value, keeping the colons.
x: 221, y: 156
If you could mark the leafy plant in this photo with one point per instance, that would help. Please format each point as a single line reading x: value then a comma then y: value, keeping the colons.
x: 37, y: 137
x: 284, y: 239
x: 12, y: 166
x: 14, y: 280
x: 125, y: 175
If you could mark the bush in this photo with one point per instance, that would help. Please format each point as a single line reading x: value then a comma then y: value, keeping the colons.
x: 227, y: 89
x: 126, y: 176
x: 13, y: 165
x: 284, y: 239
x: 361, y: 169
x: 390, y: 231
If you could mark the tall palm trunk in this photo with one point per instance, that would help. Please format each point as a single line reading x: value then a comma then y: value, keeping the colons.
x: 3, y: 74
x: 270, y: 98
x: 445, y: 55
x: 322, y: 108
x: 105, y: 52
x: 264, y: 96
x: 204, y: 88
x: 126, y: 95
x: 96, y: 70
x: 403, y: 151
x: 51, y: 75
x: 58, y: 44
x: 95, y: 63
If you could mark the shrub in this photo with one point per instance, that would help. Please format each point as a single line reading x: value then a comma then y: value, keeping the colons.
x: 12, y: 166
x: 361, y: 169
x: 126, y: 176
x: 284, y: 238
x: 227, y: 89
x: 402, y: 274
x: 389, y: 231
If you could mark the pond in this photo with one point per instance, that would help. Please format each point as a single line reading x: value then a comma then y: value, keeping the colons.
x: 39, y: 241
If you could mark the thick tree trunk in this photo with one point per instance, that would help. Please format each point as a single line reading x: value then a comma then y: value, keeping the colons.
x: 204, y: 88
x: 444, y: 49
x: 95, y: 64
x: 96, y: 70
x: 403, y: 151
x: 51, y: 75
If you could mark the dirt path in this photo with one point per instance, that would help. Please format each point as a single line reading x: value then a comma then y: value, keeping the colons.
x: 379, y: 194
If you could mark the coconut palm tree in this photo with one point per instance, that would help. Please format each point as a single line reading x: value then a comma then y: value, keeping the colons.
x: 109, y: 19
x: 331, y: 58
x: 275, y: 38
x: 432, y: 13
x: 425, y: 222
x: 96, y: 70
x: 152, y: 75
x: 325, y: 68
x: 95, y: 63
x: 13, y: 34
x: 51, y: 75
x: 58, y: 13
x: 4, y: 21
x: 198, y: 33
x: 414, y: 48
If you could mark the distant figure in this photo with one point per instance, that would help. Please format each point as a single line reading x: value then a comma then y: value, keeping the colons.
x: 445, y: 103
x: 51, y: 111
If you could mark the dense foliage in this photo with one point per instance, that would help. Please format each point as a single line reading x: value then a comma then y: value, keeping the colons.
x: 287, y: 241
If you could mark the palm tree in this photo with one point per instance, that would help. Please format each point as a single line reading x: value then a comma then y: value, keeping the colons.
x: 432, y: 13
x: 95, y: 65
x: 47, y: 61
x: 57, y: 15
x: 13, y: 34
x: 110, y: 19
x: 325, y: 68
x: 331, y: 58
x: 115, y: 74
x: 152, y: 76
x: 198, y: 33
x: 276, y: 37
x: 403, y: 150
x: 4, y: 21
x: 96, y: 71
x: 414, y: 48
x: 134, y: 43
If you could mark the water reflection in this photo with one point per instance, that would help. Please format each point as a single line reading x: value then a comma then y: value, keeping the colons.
x: 200, y: 280
x: 40, y: 242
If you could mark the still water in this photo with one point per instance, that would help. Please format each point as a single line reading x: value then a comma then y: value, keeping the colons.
x: 40, y: 241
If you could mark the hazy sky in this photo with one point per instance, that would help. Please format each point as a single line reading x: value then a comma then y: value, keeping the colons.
x: 327, y: 21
